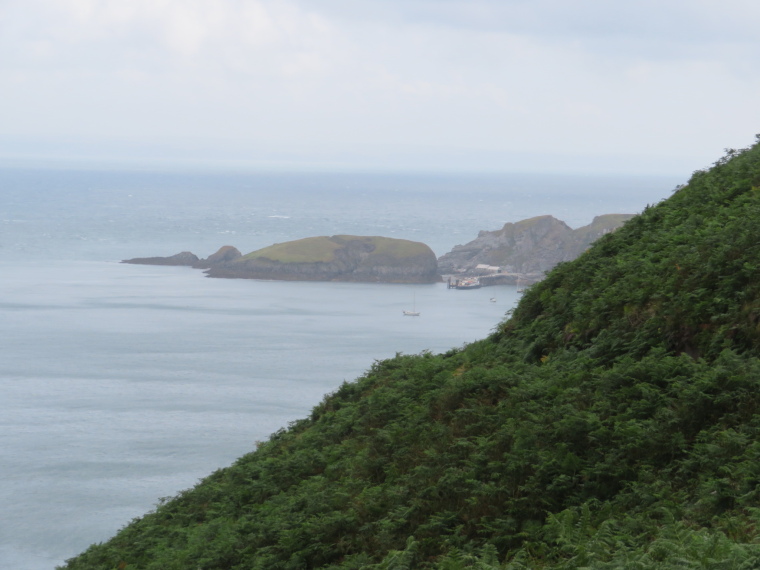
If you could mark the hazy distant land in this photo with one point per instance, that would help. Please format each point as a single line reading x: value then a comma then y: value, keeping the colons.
x: 527, y: 248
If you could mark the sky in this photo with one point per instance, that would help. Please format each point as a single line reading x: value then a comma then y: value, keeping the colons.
x: 645, y: 87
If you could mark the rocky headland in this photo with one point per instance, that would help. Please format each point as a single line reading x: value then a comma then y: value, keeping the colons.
x: 528, y: 248
x: 370, y: 259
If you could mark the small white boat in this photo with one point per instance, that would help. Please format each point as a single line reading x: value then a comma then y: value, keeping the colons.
x: 414, y: 312
x: 492, y: 299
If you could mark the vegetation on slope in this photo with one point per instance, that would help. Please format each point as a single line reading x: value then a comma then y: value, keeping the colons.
x: 611, y: 422
x: 600, y: 225
x: 393, y: 247
x: 306, y: 250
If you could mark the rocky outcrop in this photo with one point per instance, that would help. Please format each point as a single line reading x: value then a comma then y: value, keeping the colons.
x: 530, y: 247
x: 338, y: 258
x: 184, y: 258
x: 224, y: 254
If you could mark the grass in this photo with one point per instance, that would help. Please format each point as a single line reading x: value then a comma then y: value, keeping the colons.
x: 307, y: 250
x: 323, y: 248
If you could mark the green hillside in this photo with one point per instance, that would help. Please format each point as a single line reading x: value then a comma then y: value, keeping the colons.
x: 612, y: 421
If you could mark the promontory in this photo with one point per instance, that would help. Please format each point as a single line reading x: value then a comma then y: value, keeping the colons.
x: 529, y: 247
x: 371, y: 259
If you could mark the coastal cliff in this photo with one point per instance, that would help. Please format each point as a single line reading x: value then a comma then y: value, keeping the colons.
x: 371, y: 259
x: 531, y: 246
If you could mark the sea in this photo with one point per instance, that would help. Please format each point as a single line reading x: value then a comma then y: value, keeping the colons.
x: 123, y: 384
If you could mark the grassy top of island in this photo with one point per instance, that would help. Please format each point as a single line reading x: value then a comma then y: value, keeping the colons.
x: 306, y: 250
x: 611, y: 421
x: 323, y: 248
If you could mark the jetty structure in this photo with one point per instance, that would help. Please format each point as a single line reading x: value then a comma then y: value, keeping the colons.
x: 463, y: 283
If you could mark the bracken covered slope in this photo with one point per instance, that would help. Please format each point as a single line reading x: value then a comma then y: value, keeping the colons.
x: 612, y: 422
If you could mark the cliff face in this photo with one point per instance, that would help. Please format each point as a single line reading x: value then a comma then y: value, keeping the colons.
x: 337, y: 258
x: 531, y: 246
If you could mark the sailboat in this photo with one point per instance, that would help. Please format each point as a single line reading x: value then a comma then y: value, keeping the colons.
x: 413, y: 312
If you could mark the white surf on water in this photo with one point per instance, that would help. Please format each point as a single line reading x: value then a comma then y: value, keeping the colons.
x: 121, y: 384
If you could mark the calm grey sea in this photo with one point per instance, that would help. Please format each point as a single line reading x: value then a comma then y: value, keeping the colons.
x: 121, y: 384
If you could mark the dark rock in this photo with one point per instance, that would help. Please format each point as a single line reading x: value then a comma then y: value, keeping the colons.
x: 185, y: 258
x: 225, y: 254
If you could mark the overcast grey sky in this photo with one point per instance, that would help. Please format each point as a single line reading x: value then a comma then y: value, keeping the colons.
x: 643, y: 87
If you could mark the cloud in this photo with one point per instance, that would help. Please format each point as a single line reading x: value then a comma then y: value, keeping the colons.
x: 79, y: 29
x: 670, y: 78
x: 698, y: 20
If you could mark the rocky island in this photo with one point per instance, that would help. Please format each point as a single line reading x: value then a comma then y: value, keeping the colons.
x: 371, y: 259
